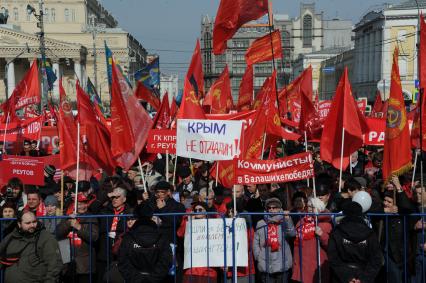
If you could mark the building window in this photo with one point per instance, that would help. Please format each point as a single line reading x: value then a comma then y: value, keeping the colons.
x: 28, y: 17
x: 73, y: 15
x: 307, y: 31
x: 46, y: 14
x: 67, y: 15
x: 207, y: 40
x: 15, y: 14
x: 402, y: 63
x: 53, y: 15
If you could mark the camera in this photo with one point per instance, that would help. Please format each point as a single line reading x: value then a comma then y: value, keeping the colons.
x: 9, y: 193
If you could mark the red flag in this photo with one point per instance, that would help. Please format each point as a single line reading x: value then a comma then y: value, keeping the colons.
x: 377, y: 107
x: 28, y: 90
x: 344, y: 113
x: 162, y: 118
x: 190, y: 107
x: 142, y: 92
x: 289, y: 97
x: 140, y: 123
x: 231, y: 15
x: 122, y: 139
x: 95, y: 136
x: 225, y: 174
x: 309, y: 119
x: 261, y: 49
x: 268, y: 84
x: 397, y: 151
x: 219, y: 95
x: 9, y: 110
x: 173, y: 108
x: 245, y: 96
x: 195, y: 72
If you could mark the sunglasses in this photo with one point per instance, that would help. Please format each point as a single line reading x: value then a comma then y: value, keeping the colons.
x: 115, y: 197
x: 198, y: 209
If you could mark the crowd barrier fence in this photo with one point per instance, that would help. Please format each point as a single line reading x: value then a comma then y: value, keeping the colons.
x: 175, y: 272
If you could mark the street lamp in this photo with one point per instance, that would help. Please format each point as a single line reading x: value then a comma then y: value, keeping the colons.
x: 94, y: 28
x: 40, y: 24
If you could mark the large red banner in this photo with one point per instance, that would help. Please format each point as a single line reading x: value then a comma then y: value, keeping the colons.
x: 30, y: 170
x: 161, y: 141
x: 292, y: 168
x: 28, y: 129
x: 324, y: 107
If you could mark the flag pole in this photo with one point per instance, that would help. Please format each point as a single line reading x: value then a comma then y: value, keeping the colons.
x: 174, y: 171
x: 217, y: 171
x: 78, y: 168
x: 62, y: 192
x: 306, y: 149
x: 142, y: 175
x: 5, y: 130
x: 414, y: 170
x: 167, y: 165
x: 341, y: 159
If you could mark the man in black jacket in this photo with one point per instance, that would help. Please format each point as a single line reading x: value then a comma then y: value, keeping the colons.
x: 145, y: 253
x: 353, y: 249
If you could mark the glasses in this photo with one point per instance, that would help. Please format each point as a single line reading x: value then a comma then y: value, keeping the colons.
x: 198, y: 209
x: 115, y: 197
x: 272, y: 207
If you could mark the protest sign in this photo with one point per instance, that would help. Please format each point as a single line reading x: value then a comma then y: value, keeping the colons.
x: 376, y: 132
x: 325, y: 106
x: 30, y: 170
x: 161, y: 141
x: 27, y: 129
x: 208, y: 139
x: 205, y: 242
x: 287, y: 169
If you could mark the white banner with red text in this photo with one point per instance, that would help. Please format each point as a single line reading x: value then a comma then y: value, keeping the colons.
x: 208, y: 139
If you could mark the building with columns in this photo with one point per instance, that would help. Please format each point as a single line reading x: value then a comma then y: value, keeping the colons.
x: 376, y: 36
x: 169, y: 83
x: 75, y: 32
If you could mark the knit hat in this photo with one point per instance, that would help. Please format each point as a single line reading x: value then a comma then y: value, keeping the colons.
x: 184, y: 172
x: 50, y: 170
x: 275, y: 201
x: 163, y: 185
x: 51, y: 200
x: 352, y: 209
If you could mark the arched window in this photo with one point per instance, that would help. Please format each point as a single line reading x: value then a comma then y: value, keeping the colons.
x: 15, y: 14
x: 67, y: 15
x: 307, y: 31
x: 46, y: 14
x: 53, y: 14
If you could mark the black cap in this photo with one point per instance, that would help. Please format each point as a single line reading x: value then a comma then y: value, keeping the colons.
x: 68, y: 179
x: 322, y: 189
x: 83, y: 186
x: 352, y: 209
x: 143, y: 211
x: 163, y: 185
x: 185, y: 172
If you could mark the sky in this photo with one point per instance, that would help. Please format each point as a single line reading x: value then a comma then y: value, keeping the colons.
x: 170, y: 28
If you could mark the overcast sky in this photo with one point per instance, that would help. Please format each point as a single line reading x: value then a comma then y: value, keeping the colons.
x: 170, y: 27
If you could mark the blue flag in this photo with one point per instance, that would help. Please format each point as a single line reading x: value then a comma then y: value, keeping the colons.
x: 50, y: 75
x: 150, y: 75
x: 108, y: 56
x: 93, y: 94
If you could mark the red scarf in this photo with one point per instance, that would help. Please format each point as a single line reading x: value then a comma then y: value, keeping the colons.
x: 273, y: 241
x: 305, y: 230
x: 74, y: 238
x: 115, y: 219
x: 40, y: 211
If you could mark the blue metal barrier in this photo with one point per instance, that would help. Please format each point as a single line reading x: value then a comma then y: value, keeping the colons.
x: 177, y: 272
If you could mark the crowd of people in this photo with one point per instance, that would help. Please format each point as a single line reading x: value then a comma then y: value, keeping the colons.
x: 118, y: 229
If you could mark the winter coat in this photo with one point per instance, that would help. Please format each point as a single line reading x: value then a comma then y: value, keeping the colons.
x: 105, y: 243
x: 354, y: 251
x: 88, y: 235
x: 39, y: 256
x: 169, y: 224
x: 280, y: 260
x: 305, y: 254
x: 145, y: 254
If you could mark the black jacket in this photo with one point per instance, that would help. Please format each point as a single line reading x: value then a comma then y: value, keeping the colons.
x: 169, y: 224
x: 354, y: 252
x: 145, y: 254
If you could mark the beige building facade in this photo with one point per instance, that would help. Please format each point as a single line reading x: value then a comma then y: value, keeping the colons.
x: 76, y: 32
